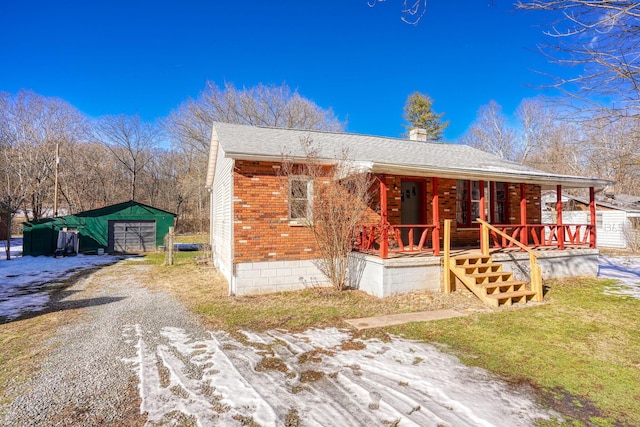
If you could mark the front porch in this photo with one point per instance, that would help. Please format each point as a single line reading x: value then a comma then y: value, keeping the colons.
x: 404, y: 273
x: 395, y: 234
x: 506, y: 262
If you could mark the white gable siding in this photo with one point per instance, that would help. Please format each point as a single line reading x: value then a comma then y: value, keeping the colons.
x: 611, y: 234
x: 222, y: 215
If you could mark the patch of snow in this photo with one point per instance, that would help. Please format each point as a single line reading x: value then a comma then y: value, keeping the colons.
x: 27, y: 282
x: 257, y: 338
x: 15, y: 248
x: 218, y: 381
x: 624, y: 269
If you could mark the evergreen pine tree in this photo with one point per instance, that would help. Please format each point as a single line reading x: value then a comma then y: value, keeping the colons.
x: 418, y: 113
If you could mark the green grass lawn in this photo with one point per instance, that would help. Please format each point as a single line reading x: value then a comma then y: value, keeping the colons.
x: 581, y: 351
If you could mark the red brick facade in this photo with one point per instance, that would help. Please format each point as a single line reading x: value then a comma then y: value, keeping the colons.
x: 263, y: 232
x: 261, y: 226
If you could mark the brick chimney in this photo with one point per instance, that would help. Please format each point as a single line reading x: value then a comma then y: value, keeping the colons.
x: 418, y: 134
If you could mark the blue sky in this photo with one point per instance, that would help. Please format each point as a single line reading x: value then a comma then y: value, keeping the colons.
x: 147, y: 57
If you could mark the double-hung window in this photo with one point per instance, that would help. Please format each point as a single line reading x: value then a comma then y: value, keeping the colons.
x: 467, y: 202
x: 468, y: 196
x: 499, y: 205
x: 300, y: 198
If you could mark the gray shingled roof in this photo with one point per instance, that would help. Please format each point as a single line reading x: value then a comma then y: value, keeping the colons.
x: 621, y: 202
x: 383, y: 155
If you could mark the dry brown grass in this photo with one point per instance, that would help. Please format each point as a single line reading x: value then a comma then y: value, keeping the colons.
x: 204, y: 291
x: 22, y: 347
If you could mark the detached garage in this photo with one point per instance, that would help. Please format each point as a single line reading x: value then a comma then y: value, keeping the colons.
x: 129, y: 227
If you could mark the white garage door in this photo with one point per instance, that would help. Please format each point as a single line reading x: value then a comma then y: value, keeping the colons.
x: 132, y: 236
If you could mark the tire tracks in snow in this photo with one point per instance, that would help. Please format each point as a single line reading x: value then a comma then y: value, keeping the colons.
x: 400, y: 382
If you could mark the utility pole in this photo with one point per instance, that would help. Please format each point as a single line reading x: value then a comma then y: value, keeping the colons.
x: 55, y: 190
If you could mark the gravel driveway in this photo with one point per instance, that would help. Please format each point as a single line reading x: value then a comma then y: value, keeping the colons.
x: 134, y: 356
x: 87, y: 380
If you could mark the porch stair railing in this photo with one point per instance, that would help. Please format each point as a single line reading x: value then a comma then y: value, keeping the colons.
x: 486, y: 278
x: 489, y: 282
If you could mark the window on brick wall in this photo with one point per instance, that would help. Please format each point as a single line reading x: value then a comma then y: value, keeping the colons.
x: 499, y: 203
x: 468, y: 202
x: 300, y: 196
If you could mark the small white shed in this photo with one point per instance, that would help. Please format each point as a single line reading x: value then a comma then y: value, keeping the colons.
x: 617, y: 217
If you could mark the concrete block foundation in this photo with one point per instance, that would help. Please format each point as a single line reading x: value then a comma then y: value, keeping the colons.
x: 397, y: 276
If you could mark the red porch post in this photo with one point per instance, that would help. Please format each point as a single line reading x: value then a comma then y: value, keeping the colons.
x: 384, y: 230
x: 484, y: 243
x: 560, y: 232
x: 592, y: 211
x: 524, y: 236
x: 435, y: 206
x: 483, y: 203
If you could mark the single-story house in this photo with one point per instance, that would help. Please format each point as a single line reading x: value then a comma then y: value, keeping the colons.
x: 617, y: 216
x: 260, y: 248
x: 128, y: 227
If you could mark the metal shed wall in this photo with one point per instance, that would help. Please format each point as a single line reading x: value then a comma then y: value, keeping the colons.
x: 93, y: 227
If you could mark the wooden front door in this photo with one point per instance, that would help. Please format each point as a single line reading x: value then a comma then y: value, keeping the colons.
x: 412, y: 206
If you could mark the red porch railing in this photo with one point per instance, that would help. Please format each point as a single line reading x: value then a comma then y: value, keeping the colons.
x: 558, y: 235
x: 416, y: 238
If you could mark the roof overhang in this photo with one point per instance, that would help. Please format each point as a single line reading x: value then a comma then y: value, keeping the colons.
x: 546, y: 181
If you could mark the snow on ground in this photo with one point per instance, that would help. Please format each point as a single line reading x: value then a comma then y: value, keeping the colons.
x: 626, y: 270
x: 322, y: 377
x: 26, y: 283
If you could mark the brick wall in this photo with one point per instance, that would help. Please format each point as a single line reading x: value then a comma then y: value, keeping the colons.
x: 263, y: 232
x: 534, y: 207
x: 261, y: 226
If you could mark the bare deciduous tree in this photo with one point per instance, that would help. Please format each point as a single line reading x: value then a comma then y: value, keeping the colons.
x: 537, y: 121
x: 13, y: 192
x: 631, y: 233
x: 490, y: 132
x: 30, y: 128
x: 541, y: 138
x: 562, y: 150
x: 189, y: 128
x: 601, y: 41
x: 130, y: 140
x: 341, y: 193
x: 87, y: 177
x: 32, y: 125
x: 613, y: 151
